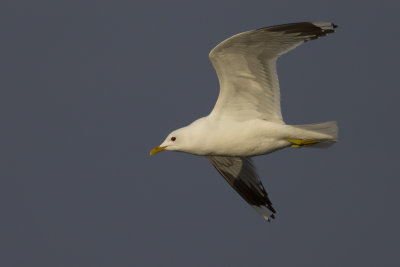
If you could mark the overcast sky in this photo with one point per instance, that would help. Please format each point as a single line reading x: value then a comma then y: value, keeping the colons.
x: 88, y: 88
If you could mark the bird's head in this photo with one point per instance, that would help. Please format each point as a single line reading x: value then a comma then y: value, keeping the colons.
x: 174, y: 142
x: 190, y: 139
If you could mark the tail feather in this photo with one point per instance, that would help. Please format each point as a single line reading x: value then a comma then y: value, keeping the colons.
x: 325, y: 133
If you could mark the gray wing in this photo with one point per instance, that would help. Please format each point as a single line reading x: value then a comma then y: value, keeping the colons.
x: 246, y: 67
x: 241, y: 174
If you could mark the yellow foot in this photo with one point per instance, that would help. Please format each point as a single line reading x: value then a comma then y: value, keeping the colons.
x: 301, y: 142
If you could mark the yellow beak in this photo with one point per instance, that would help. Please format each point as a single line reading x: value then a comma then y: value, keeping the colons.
x: 157, y: 149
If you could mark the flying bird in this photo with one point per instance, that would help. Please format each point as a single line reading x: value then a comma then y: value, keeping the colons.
x: 247, y: 121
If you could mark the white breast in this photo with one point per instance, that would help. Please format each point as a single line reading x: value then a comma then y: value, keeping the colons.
x: 233, y: 138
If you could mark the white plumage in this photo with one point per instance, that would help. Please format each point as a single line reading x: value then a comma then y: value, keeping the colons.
x: 246, y: 121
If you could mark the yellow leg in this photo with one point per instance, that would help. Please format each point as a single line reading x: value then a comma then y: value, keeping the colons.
x: 301, y: 142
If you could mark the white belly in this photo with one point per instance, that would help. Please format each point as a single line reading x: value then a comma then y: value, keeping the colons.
x: 245, y: 139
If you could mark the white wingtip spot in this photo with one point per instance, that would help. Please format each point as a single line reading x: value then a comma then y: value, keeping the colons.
x: 325, y: 25
x: 264, y: 212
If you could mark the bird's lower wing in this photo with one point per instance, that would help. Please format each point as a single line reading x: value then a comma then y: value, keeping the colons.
x: 241, y: 174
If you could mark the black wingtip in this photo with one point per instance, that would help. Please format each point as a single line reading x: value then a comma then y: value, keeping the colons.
x: 310, y: 30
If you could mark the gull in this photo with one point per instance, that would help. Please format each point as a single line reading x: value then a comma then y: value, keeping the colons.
x: 246, y: 120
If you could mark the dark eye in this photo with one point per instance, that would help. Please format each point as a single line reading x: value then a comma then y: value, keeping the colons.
x: 173, y: 138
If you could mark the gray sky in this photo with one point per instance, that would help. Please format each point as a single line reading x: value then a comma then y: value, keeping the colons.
x: 89, y: 87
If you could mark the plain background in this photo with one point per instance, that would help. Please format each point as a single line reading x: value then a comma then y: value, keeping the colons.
x: 88, y: 88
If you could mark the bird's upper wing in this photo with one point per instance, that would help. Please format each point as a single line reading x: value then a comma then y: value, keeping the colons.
x: 241, y: 174
x: 246, y: 67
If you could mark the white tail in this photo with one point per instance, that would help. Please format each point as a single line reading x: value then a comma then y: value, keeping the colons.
x: 325, y: 133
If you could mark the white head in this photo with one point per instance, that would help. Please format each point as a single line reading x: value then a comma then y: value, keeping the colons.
x: 173, y: 142
x: 187, y: 139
